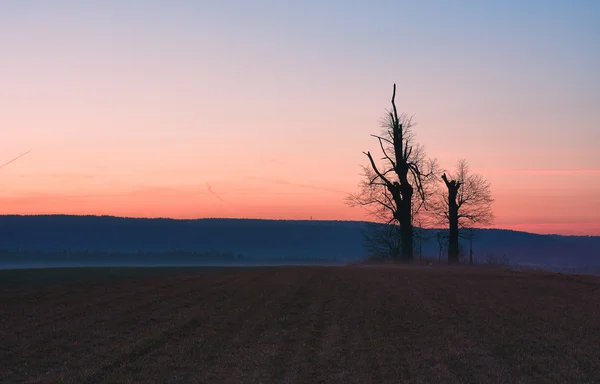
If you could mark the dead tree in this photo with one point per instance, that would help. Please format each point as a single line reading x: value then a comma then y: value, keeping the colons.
x: 466, y: 201
x: 397, y: 190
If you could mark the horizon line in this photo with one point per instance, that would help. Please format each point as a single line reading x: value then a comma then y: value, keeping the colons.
x: 268, y: 219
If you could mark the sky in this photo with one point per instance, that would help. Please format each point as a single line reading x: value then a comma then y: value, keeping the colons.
x: 262, y: 109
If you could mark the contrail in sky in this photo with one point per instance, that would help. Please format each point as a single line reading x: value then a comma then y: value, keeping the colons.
x: 15, y: 159
x: 214, y: 193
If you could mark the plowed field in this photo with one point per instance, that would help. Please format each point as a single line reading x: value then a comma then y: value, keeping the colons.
x: 363, y: 324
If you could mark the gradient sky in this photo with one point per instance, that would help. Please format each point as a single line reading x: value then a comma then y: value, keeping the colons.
x: 262, y: 108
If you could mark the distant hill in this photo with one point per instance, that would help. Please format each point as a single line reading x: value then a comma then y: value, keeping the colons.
x: 268, y: 239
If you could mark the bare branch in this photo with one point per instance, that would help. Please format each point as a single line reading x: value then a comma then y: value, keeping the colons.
x: 383, y: 138
x: 394, y: 103
x: 379, y: 174
x: 385, y: 155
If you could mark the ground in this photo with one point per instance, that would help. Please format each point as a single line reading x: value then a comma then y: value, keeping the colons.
x: 357, y: 324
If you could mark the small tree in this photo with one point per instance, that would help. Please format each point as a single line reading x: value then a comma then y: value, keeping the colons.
x: 421, y: 235
x: 394, y: 191
x: 466, y: 201
x: 382, y: 241
x: 442, y: 240
x: 468, y: 233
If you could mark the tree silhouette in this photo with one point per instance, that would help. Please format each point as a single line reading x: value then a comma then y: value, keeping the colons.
x: 441, y: 238
x: 397, y: 190
x: 466, y: 201
x: 382, y: 241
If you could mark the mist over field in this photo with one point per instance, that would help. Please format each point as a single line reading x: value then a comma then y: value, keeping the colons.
x: 62, y: 241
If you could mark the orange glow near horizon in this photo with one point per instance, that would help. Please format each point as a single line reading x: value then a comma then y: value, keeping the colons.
x: 288, y: 201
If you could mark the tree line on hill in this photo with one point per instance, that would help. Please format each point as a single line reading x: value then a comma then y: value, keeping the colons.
x: 406, y: 191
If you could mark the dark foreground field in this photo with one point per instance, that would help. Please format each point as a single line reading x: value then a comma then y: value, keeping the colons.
x: 302, y: 324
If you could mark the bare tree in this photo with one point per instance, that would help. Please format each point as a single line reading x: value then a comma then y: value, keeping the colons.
x: 382, y: 241
x: 420, y: 234
x: 469, y: 234
x: 466, y: 201
x: 397, y: 190
x: 441, y: 238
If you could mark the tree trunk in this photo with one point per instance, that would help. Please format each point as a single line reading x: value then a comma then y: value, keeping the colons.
x: 406, y: 235
x: 453, y: 235
x: 471, y: 248
x: 452, y: 219
x: 405, y: 220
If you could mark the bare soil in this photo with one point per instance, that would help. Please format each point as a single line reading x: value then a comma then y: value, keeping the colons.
x: 359, y: 324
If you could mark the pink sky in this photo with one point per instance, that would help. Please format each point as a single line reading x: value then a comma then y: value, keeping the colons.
x: 197, y: 111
